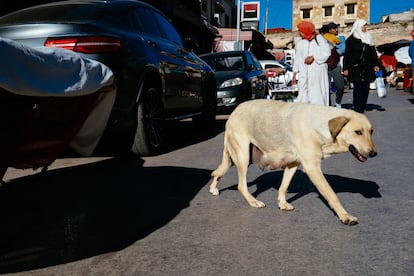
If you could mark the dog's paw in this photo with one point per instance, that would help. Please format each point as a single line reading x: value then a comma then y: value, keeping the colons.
x: 286, y: 206
x: 349, y: 220
x: 257, y: 204
x: 214, y: 191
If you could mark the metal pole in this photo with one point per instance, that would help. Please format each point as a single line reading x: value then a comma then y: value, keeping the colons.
x: 267, y: 14
x: 238, y: 27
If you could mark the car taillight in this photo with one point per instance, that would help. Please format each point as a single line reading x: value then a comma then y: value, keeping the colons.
x: 86, y: 44
x: 271, y: 73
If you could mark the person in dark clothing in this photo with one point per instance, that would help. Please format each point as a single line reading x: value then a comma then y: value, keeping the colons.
x: 360, y: 63
x: 335, y: 74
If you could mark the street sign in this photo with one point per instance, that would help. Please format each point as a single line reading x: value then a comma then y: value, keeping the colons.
x: 251, y: 11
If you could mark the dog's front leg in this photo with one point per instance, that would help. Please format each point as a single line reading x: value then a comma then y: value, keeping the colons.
x: 316, y: 176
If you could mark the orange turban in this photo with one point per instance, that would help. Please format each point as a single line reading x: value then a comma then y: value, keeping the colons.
x: 307, y: 28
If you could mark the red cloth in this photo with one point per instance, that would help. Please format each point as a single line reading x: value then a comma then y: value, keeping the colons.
x: 407, y: 76
x: 389, y: 61
x: 307, y: 28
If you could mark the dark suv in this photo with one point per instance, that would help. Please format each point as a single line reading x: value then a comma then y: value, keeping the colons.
x: 159, y: 79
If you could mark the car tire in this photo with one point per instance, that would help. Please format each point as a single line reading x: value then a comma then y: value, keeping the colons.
x: 207, y: 119
x: 149, y: 137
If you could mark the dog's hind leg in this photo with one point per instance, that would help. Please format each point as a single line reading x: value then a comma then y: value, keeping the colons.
x: 221, y: 169
x: 242, y: 164
x: 287, y: 178
x: 242, y: 187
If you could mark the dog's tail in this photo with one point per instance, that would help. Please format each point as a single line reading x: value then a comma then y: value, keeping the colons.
x: 226, y: 162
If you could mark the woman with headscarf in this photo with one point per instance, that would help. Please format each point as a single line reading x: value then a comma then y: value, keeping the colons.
x: 311, y: 54
x: 360, y: 63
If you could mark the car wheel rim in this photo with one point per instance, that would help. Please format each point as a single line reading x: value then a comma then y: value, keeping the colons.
x: 153, y: 111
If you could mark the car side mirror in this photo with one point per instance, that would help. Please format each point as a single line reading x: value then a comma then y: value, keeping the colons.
x: 191, y: 44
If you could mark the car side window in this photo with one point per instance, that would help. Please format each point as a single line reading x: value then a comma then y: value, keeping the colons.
x: 168, y: 30
x: 144, y: 21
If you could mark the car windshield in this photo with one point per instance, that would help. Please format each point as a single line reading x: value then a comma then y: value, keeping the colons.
x: 225, y: 63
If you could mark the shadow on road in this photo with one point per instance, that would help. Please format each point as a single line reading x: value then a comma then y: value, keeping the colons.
x: 74, y: 213
x: 183, y: 134
x: 370, y: 107
x: 178, y: 134
x: 302, y: 186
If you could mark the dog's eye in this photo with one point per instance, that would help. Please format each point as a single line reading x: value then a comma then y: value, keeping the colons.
x: 371, y: 131
x: 358, y: 132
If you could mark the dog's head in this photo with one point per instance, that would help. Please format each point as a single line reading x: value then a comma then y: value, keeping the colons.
x: 355, y: 133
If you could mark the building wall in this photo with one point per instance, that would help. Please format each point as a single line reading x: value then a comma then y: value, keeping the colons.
x: 227, y: 18
x: 339, y: 12
x: 404, y: 16
x: 220, y: 13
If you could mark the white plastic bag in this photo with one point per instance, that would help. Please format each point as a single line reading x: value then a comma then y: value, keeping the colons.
x: 381, y: 89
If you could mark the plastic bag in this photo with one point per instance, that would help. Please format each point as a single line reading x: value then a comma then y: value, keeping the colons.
x: 381, y: 89
x: 380, y: 84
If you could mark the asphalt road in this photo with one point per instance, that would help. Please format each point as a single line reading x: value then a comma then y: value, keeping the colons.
x: 155, y: 216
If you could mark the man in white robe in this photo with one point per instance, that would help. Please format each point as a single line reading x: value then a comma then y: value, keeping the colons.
x: 311, y: 54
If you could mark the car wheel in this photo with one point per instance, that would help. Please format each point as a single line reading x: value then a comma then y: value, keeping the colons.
x: 149, y: 137
x: 207, y: 120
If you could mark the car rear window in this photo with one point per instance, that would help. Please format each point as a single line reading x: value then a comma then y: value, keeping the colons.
x: 57, y: 13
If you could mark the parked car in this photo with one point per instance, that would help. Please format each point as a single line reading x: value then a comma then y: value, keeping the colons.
x: 239, y: 76
x: 279, y: 74
x: 158, y: 78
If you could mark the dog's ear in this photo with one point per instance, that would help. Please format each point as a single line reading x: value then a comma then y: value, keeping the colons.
x: 336, y: 124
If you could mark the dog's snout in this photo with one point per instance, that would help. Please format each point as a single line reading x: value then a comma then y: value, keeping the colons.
x: 372, y: 153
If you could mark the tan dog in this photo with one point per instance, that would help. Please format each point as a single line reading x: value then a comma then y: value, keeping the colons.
x: 286, y: 135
